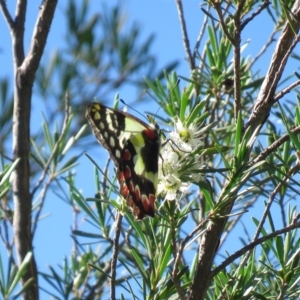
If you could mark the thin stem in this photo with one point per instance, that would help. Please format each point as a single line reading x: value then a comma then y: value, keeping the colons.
x: 286, y: 90
x: 183, y: 243
x: 186, y: 42
x: 217, y: 7
x: 200, y: 36
x: 115, y: 257
x: 236, y: 221
x: 263, y: 49
x: 265, y: 153
x: 253, y: 244
x: 56, y: 146
x: 257, y: 12
x: 9, y: 20
x: 176, y: 280
x: 237, y: 67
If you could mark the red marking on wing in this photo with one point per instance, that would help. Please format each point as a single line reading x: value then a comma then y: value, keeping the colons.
x: 151, y: 134
x: 121, y: 176
x: 137, y: 192
x: 152, y: 201
x: 131, y: 187
x: 127, y: 172
x: 148, y: 203
x: 124, y: 191
x: 126, y: 155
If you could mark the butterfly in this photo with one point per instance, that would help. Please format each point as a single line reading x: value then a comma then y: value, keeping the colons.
x: 134, y: 147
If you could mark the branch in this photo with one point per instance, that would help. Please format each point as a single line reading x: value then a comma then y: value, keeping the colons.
x: 186, y: 42
x: 115, y: 257
x: 285, y: 45
x: 18, y: 32
x: 249, y: 247
x: 211, y: 237
x: 7, y: 16
x: 39, y: 37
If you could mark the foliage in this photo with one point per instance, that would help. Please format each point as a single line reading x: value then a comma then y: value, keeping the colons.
x: 229, y: 157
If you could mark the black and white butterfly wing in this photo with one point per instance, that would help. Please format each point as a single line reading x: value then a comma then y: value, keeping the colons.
x: 134, y: 147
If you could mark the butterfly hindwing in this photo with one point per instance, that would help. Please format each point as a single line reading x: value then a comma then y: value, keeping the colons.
x: 134, y: 147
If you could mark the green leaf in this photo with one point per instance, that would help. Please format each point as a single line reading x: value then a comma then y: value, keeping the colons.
x: 140, y: 265
x: 280, y: 251
x: 8, y: 172
x: 22, y: 269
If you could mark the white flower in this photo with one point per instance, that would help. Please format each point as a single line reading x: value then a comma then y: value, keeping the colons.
x: 170, y: 185
x: 185, y: 138
x: 178, y: 165
x: 168, y: 162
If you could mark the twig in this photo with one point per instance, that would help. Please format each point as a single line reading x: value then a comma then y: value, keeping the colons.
x: 7, y: 15
x: 263, y: 50
x: 41, y: 205
x: 272, y: 197
x: 217, y: 7
x: 260, y: 225
x: 175, y: 278
x: 182, y: 245
x: 249, y: 247
x: 273, y: 147
x: 6, y: 157
x: 115, y: 257
x: 257, y: 12
x: 286, y: 90
x: 63, y: 131
x: 200, y: 36
x: 186, y: 42
x: 237, y: 65
x: 236, y: 221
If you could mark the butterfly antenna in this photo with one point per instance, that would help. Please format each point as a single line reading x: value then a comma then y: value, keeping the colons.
x: 169, y: 95
x: 121, y: 100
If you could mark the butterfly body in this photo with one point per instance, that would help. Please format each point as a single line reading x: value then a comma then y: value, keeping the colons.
x: 134, y: 147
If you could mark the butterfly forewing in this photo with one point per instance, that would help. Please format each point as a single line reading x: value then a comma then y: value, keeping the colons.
x: 134, y: 147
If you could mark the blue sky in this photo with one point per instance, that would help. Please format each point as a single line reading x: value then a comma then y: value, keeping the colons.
x: 52, y: 241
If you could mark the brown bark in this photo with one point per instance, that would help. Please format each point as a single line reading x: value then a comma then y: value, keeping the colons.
x: 24, y: 69
x: 210, y: 239
x: 286, y: 43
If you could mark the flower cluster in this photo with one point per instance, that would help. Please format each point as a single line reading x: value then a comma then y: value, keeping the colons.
x: 179, y: 162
